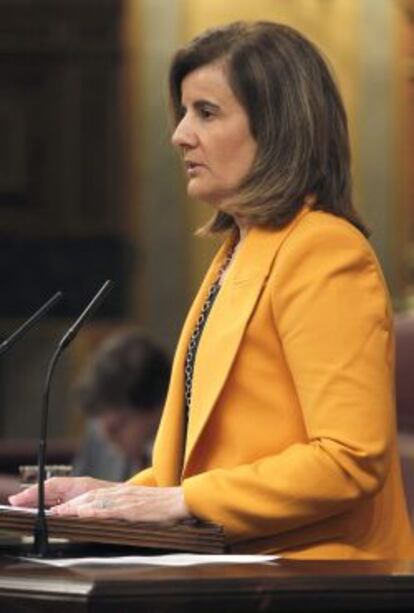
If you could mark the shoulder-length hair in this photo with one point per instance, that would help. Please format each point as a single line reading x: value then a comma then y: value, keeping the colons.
x: 296, y: 116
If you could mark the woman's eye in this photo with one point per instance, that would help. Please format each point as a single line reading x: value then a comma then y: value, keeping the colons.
x: 206, y: 113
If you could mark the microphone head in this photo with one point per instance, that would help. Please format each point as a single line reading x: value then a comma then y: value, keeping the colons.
x: 87, y: 313
x: 29, y: 323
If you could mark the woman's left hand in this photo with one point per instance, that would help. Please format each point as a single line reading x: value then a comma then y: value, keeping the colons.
x: 130, y: 502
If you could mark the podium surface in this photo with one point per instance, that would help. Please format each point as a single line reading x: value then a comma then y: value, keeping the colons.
x: 282, y: 586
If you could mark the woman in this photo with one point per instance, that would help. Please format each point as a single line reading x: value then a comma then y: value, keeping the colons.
x: 279, y: 421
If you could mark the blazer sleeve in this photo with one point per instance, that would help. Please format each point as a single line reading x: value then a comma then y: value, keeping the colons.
x: 331, y: 312
x: 144, y: 477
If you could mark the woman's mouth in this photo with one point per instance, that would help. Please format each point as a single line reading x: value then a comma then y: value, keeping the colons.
x: 192, y: 167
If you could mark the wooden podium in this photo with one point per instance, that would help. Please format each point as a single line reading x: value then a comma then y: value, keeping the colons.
x: 282, y: 587
x: 187, y: 535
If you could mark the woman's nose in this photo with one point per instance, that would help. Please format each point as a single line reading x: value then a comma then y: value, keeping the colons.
x: 184, y: 135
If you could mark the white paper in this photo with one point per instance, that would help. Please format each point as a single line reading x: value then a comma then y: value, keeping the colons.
x: 171, y: 559
x: 30, y: 510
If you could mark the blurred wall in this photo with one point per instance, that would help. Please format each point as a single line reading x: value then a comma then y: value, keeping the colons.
x: 156, y: 222
x: 60, y: 188
x: 403, y: 140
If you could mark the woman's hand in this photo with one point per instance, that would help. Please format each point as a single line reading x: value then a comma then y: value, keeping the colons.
x: 58, y: 490
x: 129, y: 502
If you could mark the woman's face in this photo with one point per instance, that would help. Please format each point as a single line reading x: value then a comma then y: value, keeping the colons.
x: 213, y: 135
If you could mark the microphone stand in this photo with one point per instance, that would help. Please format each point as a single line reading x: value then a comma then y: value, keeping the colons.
x: 40, y: 532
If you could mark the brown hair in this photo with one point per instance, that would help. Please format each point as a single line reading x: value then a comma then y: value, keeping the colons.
x: 296, y: 116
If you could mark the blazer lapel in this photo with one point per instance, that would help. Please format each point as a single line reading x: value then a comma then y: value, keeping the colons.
x: 226, y: 324
x: 170, y: 436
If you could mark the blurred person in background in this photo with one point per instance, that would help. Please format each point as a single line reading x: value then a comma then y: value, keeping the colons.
x: 122, y: 392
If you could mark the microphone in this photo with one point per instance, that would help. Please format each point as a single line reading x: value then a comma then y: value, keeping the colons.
x: 41, y: 541
x: 29, y: 323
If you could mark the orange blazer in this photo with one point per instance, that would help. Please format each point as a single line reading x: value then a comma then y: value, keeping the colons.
x: 291, y: 442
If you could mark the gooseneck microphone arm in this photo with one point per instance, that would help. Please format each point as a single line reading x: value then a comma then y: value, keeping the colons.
x: 41, y: 538
x: 41, y: 541
x: 29, y: 323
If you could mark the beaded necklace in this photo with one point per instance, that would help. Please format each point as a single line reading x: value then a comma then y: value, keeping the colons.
x: 198, y: 329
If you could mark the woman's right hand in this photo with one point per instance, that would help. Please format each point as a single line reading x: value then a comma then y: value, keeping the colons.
x: 58, y: 490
